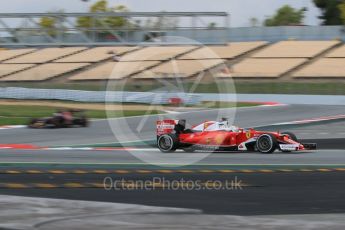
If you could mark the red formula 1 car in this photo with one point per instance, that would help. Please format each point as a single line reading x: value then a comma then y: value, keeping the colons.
x: 219, y: 136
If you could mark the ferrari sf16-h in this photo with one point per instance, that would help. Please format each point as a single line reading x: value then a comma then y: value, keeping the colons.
x: 220, y: 136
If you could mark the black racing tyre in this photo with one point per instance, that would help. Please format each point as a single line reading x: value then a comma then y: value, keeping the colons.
x: 56, y: 122
x: 32, y: 123
x: 266, y: 143
x: 291, y: 135
x: 85, y: 124
x: 167, y: 143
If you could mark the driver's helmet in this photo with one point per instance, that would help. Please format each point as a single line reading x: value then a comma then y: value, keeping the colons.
x: 182, y: 123
x: 223, y: 123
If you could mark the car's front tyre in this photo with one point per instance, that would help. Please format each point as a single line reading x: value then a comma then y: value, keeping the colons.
x: 266, y: 143
x: 292, y: 136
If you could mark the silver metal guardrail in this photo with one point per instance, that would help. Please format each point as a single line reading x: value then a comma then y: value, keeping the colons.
x: 96, y: 96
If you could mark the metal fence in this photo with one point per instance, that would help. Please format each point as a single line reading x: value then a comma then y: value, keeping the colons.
x: 205, y: 36
x: 280, y: 33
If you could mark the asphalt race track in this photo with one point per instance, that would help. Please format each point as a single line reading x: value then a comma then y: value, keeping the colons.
x: 100, y: 132
x: 303, y: 191
x: 79, y: 157
x: 266, y: 193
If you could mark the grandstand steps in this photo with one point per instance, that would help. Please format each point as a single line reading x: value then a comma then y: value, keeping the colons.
x: 44, y: 72
x: 33, y: 65
x: 247, y: 54
x: 281, y: 61
x: 131, y: 56
x: 25, y: 67
x: 229, y: 63
x: 45, y: 55
x: 162, y: 62
x: 76, y: 52
x: 16, y: 56
x: 99, y: 54
x: 289, y: 75
x: 202, y: 54
x: 65, y: 77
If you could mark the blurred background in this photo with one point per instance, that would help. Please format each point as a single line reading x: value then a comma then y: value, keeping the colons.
x: 275, y: 47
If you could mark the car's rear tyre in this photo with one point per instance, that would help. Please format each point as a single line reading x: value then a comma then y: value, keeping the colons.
x: 292, y: 136
x: 84, y: 122
x: 266, y: 143
x: 167, y: 143
x: 56, y: 122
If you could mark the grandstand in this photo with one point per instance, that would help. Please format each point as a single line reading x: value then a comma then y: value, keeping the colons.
x: 8, y: 54
x: 337, y: 53
x: 44, y: 55
x: 44, y: 72
x: 157, y: 53
x: 331, y: 65
x: 323, y: 68
x: 75, y: 54
x: 296, y: 49
x: 97, y: 54
x: 229, y: 51
x: 265, y: 67
x: 6, y: 69
x: 284, y: 60
x: 281, y: 58
x: 113, y: 70
x: 179, y: 69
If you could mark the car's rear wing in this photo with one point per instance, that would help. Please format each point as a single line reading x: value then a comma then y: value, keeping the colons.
x: 165, y: 126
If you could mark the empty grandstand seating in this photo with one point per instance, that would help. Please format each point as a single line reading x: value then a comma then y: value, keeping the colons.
x: 97, y: 54
x: 325, y: 67
x: 45, y: 55
x: 265, y: 67
x: 113, y: 70
x: 44, y: 72
x: 229, y: 51
x: 283, y: 59
x: 179, y: 68
x: 157, y: 53
x: 337, y: 53
x: 6, y: 69
x: 295, y: 49
x: 8, y: 54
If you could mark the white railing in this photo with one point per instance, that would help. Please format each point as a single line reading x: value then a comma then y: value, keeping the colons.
x: 95, y: 96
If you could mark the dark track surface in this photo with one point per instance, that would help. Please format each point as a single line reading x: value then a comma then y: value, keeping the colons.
x: 100, y: 132
x: 273, y: 193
